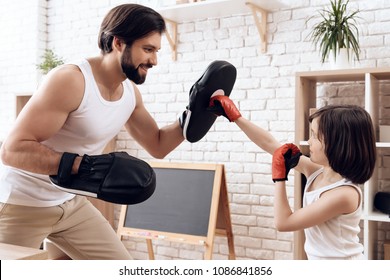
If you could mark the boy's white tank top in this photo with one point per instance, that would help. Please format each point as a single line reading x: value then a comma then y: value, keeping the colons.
x: 86, y: 131
x: 336, y: 238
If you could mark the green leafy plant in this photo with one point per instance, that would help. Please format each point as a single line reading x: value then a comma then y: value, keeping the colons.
x: 337, y: 29
x: 50, y: 61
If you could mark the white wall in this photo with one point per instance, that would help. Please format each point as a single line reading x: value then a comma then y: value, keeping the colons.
x: 264, y: 92
x: 23, y: 37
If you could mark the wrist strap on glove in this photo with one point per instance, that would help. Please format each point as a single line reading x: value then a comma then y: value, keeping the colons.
x: 65, y: 167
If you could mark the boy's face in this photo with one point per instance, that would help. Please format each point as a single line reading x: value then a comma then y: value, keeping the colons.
x: 317, y: 147
x: 140, y: 56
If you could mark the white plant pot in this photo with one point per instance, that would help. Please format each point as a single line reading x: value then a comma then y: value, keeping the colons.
x: 342, y: 60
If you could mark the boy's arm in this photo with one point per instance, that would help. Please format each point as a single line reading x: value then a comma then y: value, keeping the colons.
x: 224, y: 106
x: 258, y: 135
x: 283, y: 159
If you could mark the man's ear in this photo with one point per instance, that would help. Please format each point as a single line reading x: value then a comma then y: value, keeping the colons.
x: 118, y: 44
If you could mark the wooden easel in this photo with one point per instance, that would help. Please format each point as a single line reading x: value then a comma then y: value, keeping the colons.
x: 219, y: 217
x: 224, y: 224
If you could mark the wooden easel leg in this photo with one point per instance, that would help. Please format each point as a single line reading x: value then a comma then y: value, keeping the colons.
x: 232, y: 254
x: 150, y: 249
x: 228, y: 222
x: 209, y: 252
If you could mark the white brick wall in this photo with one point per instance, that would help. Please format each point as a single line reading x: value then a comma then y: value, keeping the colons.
x: 22, y: 36
x: 264, y: 91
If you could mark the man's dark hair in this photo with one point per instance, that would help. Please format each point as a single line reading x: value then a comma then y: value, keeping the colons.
x: 349, y: 138
x: 129, y: 22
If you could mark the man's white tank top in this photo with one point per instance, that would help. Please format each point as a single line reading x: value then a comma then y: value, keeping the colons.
x: 86, y: 131
x: 336, y: 238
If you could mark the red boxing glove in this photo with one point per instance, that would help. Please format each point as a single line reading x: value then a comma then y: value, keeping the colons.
x: 283, y: 159
x: 222, y: 105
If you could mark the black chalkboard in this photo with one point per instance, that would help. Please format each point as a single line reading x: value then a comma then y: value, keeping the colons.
x: 190, y: 205
x: 180, y: 204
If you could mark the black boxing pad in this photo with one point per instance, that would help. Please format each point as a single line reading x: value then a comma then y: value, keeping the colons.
x: 115, y: 177
x: 382, y: 202
x: 197, y: 120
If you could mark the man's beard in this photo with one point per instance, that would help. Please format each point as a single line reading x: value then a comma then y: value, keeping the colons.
x: 130, y: 70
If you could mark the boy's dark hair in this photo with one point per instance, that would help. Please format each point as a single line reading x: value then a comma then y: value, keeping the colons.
x: 349, y: 138
x: 129, y: 22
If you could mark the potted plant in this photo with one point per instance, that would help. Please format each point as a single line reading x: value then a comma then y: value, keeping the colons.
x: 50, y: 61
x: 337, y: 31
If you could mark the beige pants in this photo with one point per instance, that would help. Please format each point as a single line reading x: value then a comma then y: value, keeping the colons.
x: 76, y: 227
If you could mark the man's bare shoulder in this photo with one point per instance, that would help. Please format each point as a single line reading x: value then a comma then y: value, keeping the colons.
x: 65, y: 77
x: 64, y: 84
x: 65, y: 72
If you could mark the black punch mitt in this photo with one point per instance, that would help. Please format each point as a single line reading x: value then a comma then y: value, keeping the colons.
x: 115, y: 177
x: 196, y: 121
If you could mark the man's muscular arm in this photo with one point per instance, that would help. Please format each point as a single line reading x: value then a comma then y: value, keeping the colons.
x: 45, y: 113
x: 158, y: 142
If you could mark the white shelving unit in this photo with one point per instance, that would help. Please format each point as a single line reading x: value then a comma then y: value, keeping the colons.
x: 216, y: 9
x: 306, y: 97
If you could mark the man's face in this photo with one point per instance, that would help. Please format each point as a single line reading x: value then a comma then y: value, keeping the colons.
x: 140, y: 56
x: 130, y: 70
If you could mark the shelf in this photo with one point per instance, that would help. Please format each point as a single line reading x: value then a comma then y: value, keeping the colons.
x: 383, y: 144
x: 29, y: 94
x: 21, y: 100
x: 345, y: 75
x: 217, y: 9
x: 378, y: 144
x: 307, y: 84
x: 377, y: 216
